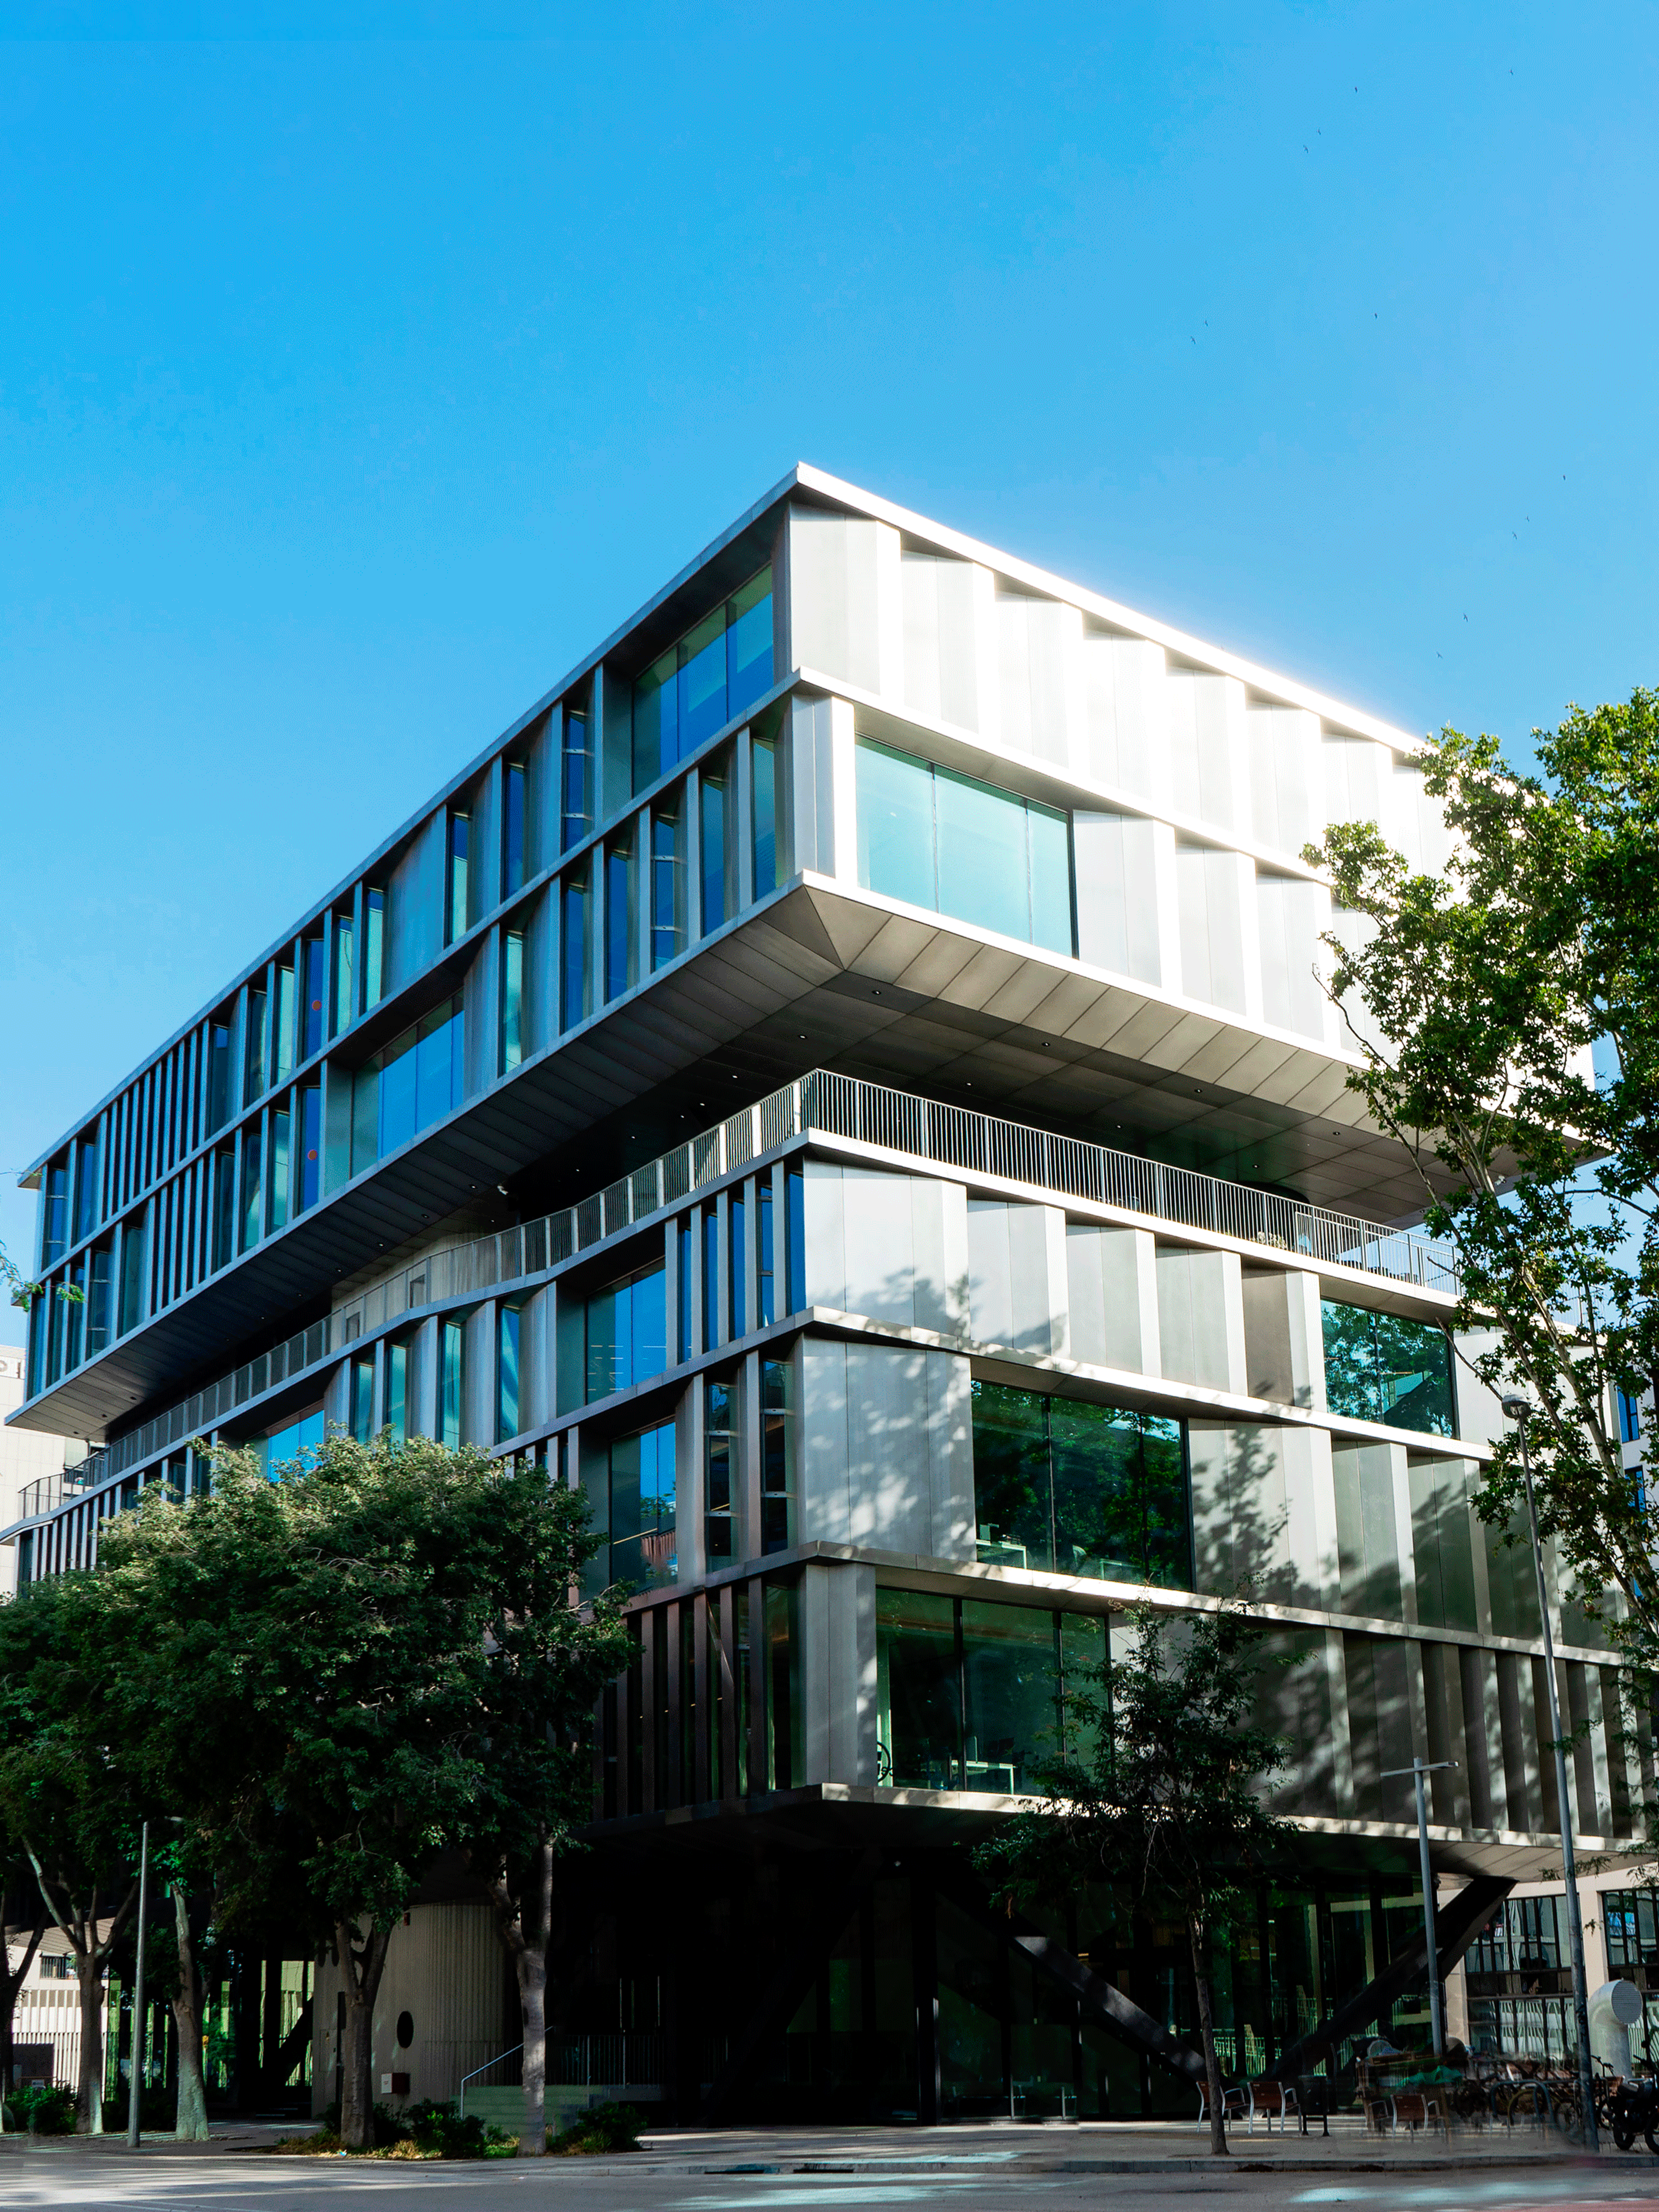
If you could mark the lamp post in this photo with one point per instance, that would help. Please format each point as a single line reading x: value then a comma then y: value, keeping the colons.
x: 136, y: 2059
x: 1519, y: 1410
x: 1417, y: 1770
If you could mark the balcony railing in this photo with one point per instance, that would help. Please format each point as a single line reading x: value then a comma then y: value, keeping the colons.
x: 830, y: 1105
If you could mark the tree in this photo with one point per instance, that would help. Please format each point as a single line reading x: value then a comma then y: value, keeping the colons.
x: 356, y: 1670
x: 546, y: 1664
x: 1163, y: 1794
x: 1478, y: 997
x: 20, y: 1895
x: 65, y: 1793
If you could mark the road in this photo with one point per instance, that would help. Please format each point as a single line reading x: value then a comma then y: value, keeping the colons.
x: 984, y: 2182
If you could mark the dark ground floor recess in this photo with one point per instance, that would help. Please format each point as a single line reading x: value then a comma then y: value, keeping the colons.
x: 818, y: 1962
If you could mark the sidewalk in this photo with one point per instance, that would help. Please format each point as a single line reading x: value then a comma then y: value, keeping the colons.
x: 1124, y: 2147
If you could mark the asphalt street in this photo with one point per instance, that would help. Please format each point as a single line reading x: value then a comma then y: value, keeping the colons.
x: 983, y: 2183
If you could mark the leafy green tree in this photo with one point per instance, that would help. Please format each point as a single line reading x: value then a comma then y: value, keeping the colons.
x: 356, y: 1670
x: 1162, y: 1795
x: 67, y: 1793
x: 1478, y: 996
x: 23, y: 1915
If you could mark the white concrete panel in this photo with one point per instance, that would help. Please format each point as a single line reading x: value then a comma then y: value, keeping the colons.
x: 1200, y: 1315
x: 1037, y: 642
x: 1112, y: 1293
x: 889, y: 612
x: 1209, y: 775
x: 885, y: 1452
x: 1291, y: 917
x: 1286, y: 796
x: 940, y: 656
x: 833, y: 622
x: 1115, y: 866
x: 1125, y: 711
x: 1010, y: 1286
x: 1215, y: 896
x: 1283, y: 1338
x: 1355, y: 769
x: 810, y: 822
x: 951, y: 1456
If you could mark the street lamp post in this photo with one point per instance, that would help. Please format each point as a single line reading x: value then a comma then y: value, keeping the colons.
x: 1418, y: 1769
x: 136, y: 2058
x: 1519, y: 1411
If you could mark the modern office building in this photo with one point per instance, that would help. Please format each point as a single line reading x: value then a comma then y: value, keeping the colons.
x: 37, y: 1469
x: 845, y: 1079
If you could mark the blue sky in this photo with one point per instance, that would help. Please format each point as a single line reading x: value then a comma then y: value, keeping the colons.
x: 351, y: 386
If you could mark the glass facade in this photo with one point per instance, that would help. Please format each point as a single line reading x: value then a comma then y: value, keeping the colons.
x: 221, y: 1101
x: 777, y: 1456
x: 457, y: 884
x: 515, y: 850
x: 575, y: 993
x: 55, y: 1214
x: 720, y: 1465
x: 620, y: 924
x: 291, y: 1449
x: 712, y: 846
x: 419, y: 1077
x: 700, y: 684
x: 644, y: 1550
x: 508, y: 1324
x: 511, y: 999
x: 575, y: 782
x: 345, y: 945
x: 968, y: 1694
x: 1382, y: 1367
x: 311, y: 1145
x: 1070, y: 1487
x: 941, y: 840
x: 668, y: 881
x: 313, y: 995
x: 375, y: 917
x: 764, y: 755
x: 362, y: 1399
x: 452, y: 1383
x: 626, y: 1333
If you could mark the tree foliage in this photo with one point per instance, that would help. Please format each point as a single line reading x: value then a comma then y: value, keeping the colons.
x: 1479, y: 997
x: 1163, y: 1793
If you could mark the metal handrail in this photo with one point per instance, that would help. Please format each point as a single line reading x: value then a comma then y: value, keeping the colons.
x: 831, y: 1105
x: 485, y: 2068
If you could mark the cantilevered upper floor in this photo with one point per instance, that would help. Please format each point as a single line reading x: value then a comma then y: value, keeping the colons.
x: 851, y: 791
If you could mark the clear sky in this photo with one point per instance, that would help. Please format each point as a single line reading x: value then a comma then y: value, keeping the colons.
x: 351, y: 388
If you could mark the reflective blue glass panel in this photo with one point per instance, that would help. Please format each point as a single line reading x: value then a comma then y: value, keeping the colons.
x: 749, y: 643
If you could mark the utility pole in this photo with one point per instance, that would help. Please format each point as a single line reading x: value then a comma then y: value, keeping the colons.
x: 1519, y: 1410
x: 1418, y: 1769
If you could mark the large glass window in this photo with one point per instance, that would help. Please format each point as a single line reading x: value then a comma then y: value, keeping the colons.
x: 397, y: 1392
x: 644, y: 1549
x: 766, y: 1300
x: 627, y: 1332
x: 508, y: 1322
x: 711, y: 1276
x: 375, y: 913
x: 362, y: 1398
x: 224, y: 1205
x: 415, y: 1081
x: 220, y: 1102
x: 794, y: 1235
x: 684, y: 1245
x: 777, y: 1457
x: 968, y: 1693
x: 514, y: 855
x: 252, y: 1186
x: 1382, y: 1367
x: 459, y: 909
x: 255, y: 1057
x: 315, y: 993
x: 282, y: 1168
x: 311, y: 1145
x: 1069, y: 1486
x: 575, y: 782
x: 765, y: 758
x: 575, y: 996
x: 283, y: 1016
x: 98, y: 1302
x: 736, y: 1268
x: 55, y: 1214
x: 511, y: 999
x: 712, y: 785
x: 345, y: 945
x: 668, y: 879
x: 700, y: 684
x: 720, y: 1449
x: 620, y: 923
x: 942, y: 841
x: 292, y: 1449
x: 452, y: 1383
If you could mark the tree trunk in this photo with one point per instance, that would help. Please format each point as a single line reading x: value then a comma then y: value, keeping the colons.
x: 1207, y: 2035
x: 89, y: 2097
x: 533, y: 2004
x: 191, y: 2124
x: 362, y: 1973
